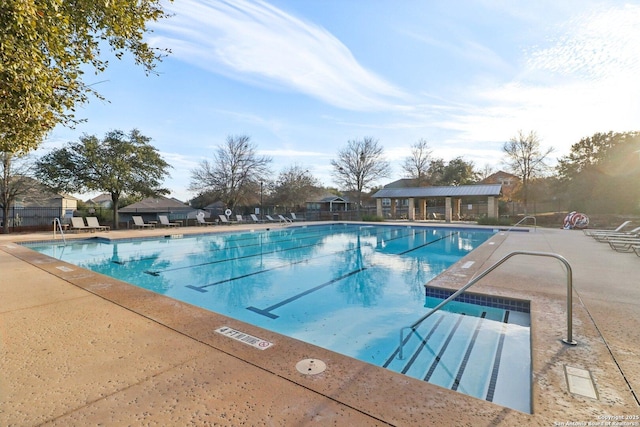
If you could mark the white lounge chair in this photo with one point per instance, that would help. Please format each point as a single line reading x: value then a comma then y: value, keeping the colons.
x: 201, y: 221
x: 138, y: 222
x: 255, y: 218
x: 239, y: 218
x: 164, y: 221
x: 592, y: 231
x: 604, y: 237
x: 92, y: 222
x: 270, y: 219
x: 294, y: 217
x: 224, y: 220
x: 77, y: 224
x: 284, y: 219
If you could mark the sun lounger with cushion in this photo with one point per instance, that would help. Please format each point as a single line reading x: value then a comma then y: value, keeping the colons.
x: 138, y: 222
x: 92, y: 221
x: 164, y: 221
x: 77, y: 224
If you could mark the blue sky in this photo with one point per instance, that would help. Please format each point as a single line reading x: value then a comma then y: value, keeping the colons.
x: 303, y: 77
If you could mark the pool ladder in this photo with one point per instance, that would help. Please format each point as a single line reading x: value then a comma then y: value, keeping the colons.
x: 56, y: 221
x: 569, y: 340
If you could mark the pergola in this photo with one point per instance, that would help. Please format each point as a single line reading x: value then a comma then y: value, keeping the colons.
x: 452, y: 195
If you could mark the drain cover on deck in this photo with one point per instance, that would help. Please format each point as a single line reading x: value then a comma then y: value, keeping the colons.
x: 580, y: 382
x: 311, y: 366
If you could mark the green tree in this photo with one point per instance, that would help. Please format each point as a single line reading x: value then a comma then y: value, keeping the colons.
x: 455, y: 172
x: 45, y: 47
x: 119, y: 164
x: 526, y: 159
x: 294, y: 186
x: 359, y: 165
x: 601, y: 173
x: 235, y: 173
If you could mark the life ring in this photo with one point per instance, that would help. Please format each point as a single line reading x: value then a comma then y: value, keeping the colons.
x: 228, y: 212
x: 575, y: 220
x: 579, y: 221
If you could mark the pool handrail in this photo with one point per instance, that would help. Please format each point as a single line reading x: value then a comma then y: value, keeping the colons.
x: 57, y: 221
x: 535, y: 223
x: 569, y: 340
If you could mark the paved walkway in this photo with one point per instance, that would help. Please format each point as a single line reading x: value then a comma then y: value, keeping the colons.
x: 77, y: 348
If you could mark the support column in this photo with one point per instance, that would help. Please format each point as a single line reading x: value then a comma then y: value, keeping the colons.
x: 456, y: 209
x: 379, y: 208
x: 393, y: 208
x: 447, y: 209
x: 492, y: 207
x: 422, y: 209
x: 411, y: 215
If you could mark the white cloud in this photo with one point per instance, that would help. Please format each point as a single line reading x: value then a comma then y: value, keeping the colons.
x: 254, y: 41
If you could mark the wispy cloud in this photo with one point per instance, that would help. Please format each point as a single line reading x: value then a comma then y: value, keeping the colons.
x: 253, y: 41
x: 599, y: 44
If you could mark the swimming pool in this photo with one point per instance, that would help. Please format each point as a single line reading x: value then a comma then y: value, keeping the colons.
x: 348, y: 288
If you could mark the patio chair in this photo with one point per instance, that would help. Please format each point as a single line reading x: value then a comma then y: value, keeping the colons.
x: 164, y: 221
x: 604, y: 237
x: 138, y: 222
x: 92, y: 222
x: 284, y: 219
x: 224, y: 219
x: 294, y: 217
x: 270, y: 219
x: 239, y: 218
x: 624, y: 245
x: 201, y: 221
x: 255, y: 218
x: 77, y: 224
x: 589, y: 232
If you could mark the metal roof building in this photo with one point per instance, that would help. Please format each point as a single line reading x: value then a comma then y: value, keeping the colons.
x: 451, y: 194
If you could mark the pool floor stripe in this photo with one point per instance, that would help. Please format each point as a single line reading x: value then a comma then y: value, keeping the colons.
x: 218, y: 261
x: 435, y: 363
x: 422, y: 345
x: 426, y: 244
x: 467, y: 354
x: 496, y: 363
x: 267, y: 311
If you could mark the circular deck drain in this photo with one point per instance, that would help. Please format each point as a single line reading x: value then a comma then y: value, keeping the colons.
x: 311, y: 366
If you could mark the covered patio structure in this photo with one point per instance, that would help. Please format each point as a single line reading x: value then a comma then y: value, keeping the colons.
x: 418, y: 196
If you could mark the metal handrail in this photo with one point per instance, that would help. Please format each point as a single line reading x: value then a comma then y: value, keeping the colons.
x: 535, y: 223
x: 568, y: 340
x: 57, y: 221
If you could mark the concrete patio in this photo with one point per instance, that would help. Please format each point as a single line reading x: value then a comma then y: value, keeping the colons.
x: 79, y: 348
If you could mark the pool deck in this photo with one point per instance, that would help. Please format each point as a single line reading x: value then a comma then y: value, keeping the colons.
x: 79, y: 348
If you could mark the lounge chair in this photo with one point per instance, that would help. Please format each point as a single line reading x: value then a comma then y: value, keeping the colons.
x: 239, y: 218
x: 138, y: 222
x: 201, y: 221
x: 92, y: 221
x: 224, y: 220
x: 636, y: 249
x: 284, y: 219
x: 624, y: 245
x: 589, y: 232
x: 604, y: 237
x: 77, y: 224
x: 255, y: 218
x: 294, y: 217
x: 164, y: 221
x: 270, y: 219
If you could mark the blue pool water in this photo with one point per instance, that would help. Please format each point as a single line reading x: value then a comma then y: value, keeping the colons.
x: 348, y: 288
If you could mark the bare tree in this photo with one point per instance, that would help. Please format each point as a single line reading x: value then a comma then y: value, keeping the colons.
x: 15, y: 181
x: 416, y: 166
x: 234, y: 174
x: 294, y: 186
x: 360, y: 164
x: 526, y: 159
x: 486, y: 171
